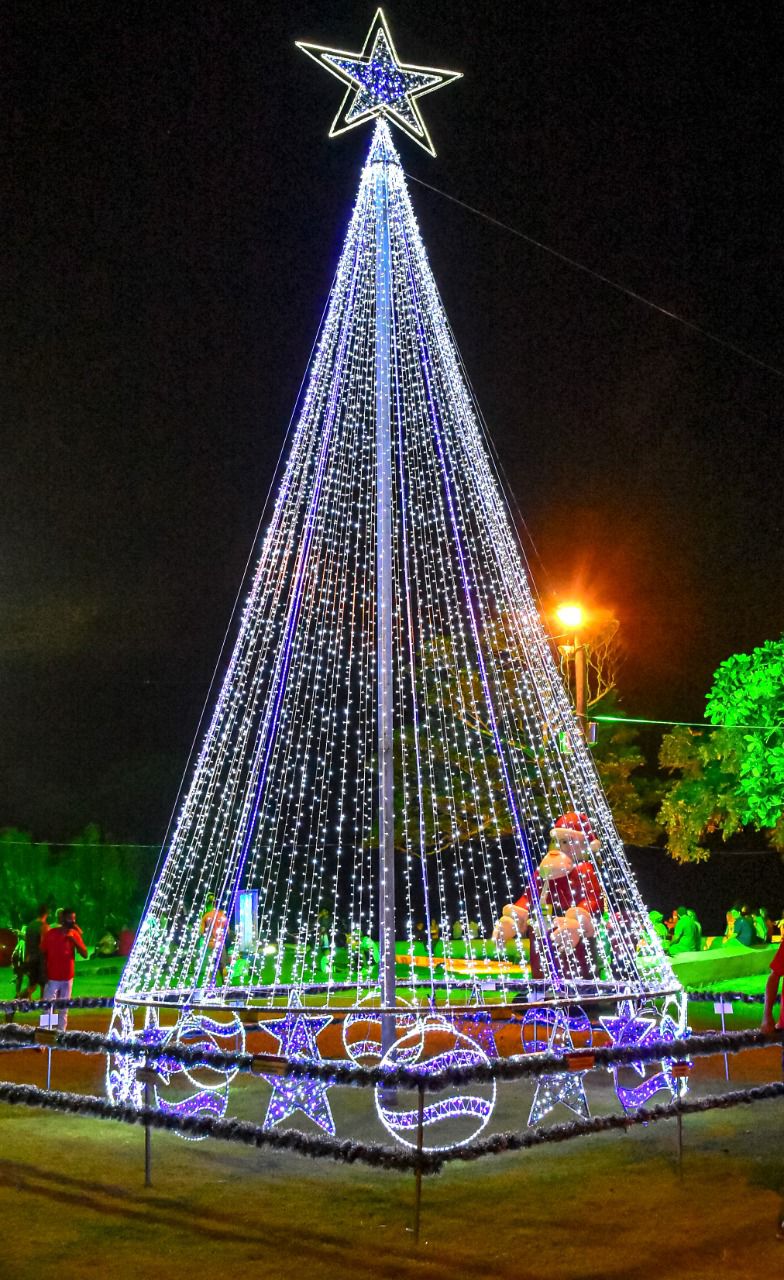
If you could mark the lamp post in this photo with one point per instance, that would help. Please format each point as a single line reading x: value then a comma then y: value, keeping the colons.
x: 572, y: 617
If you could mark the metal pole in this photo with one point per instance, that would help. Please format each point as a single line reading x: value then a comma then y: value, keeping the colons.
x: 680, y: 1144
x: 49, y: 1050
x: 418, y: 1173
x: 147, y: 1139
x: 726, y: 1056
x: 579, y: 685
x: 386, y: 811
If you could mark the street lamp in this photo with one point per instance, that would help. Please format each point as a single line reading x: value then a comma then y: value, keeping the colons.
x: 573, y: 618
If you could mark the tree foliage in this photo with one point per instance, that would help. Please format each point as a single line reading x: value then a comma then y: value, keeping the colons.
x: 633, y: 794
x: 731, y: 777
x: 461, y: 791
x: 604, y: 656
x: 105, y: 883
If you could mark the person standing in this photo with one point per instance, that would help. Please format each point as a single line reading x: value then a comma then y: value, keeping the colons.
x: 34, y: 962
x: 215, y: 927
x: 772, y: 991
x: 59, y: 947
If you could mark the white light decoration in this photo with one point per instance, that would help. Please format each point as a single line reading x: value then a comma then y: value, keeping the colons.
x: 392, y: 742
x: 564, y: 1087
x: 452, y: 1117
x: 181, y: 1089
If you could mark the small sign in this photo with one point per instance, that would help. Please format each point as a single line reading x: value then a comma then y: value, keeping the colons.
x: 246, y: 919
x: 269, y: 1064
x: 722, y: 1007
x: 681, y: 1070
x: 49, y: 1021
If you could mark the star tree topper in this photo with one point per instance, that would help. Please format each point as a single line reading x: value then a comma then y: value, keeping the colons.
x: 379, y: 84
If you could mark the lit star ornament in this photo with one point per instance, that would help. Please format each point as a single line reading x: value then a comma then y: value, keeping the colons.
x: 628, y: 1029
x: 565, y: 1087
x: 297, y: 1035
x: 379, y: 84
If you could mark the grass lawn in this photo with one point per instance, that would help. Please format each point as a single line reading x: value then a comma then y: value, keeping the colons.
x: 72, y: 1200
x: 72, y: 1197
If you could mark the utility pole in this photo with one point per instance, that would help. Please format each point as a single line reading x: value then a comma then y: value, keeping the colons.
x: 573, y: 616
x: 580, y: 686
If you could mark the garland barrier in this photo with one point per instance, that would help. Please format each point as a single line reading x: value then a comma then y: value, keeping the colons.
x: 107, y: 1002
x: 349, y: 1152
x: 22, y: 1037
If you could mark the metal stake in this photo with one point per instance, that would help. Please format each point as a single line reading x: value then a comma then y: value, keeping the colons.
x: 147, y: 1076
x: 418, y: 1170
x: 147, y: 1138
x: 680, y: 1144
x: 726, y: 1055
x: 49, y: 1050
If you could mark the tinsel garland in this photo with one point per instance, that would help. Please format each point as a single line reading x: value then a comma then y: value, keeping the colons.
x: 518, y: 1140
x: 107, y: 1002
x: 337, y: 1073
x: 348, y: 1151
x: 250, y: 1135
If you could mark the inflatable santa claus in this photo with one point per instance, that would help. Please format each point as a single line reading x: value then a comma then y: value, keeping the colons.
x: 569, y: 893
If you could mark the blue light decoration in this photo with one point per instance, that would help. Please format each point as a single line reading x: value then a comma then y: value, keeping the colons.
x: 456, y: 1115
x: 392, y: 744
x: 482, y: 1030
x: 566, y: 1088
x: 297, y: 1033
x: 626, y: 1029
x: 380, y: 85
x: 642, y: 1027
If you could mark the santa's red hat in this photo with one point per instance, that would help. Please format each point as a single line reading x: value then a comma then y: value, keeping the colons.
x: 571, y: 824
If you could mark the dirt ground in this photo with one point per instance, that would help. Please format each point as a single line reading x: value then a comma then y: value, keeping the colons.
x: 72, y: 1199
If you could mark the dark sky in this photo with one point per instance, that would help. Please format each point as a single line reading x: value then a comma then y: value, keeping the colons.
x: 173, y: 216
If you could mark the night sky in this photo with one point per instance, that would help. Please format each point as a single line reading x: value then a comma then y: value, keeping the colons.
x: 174, y: 212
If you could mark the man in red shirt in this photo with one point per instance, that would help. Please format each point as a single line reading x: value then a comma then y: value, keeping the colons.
x: 772, y: 990
x: 58, y: 947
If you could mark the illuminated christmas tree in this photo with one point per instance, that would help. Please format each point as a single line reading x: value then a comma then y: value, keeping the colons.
x: 393, y: 797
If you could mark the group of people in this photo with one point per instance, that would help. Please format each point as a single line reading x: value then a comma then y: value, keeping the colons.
x: 48, y: 958
x: 751, y: 928
x: 683, y: 931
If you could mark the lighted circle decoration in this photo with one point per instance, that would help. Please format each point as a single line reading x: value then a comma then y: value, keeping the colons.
x: 200, y: 1089
x: 544, y: 1030
x: 361, y: 1031
x: 452, y: 1117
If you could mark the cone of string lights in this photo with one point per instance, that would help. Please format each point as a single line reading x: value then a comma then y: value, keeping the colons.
x: 393, y: 801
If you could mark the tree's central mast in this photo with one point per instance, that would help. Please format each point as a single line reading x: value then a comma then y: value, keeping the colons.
x: 386, y: 789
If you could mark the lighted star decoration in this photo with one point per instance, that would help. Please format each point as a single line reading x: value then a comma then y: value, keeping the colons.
x: 566, y: 1087
x: 379, y: 84
x: 297, y: 1035
x: 627, y: 1029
